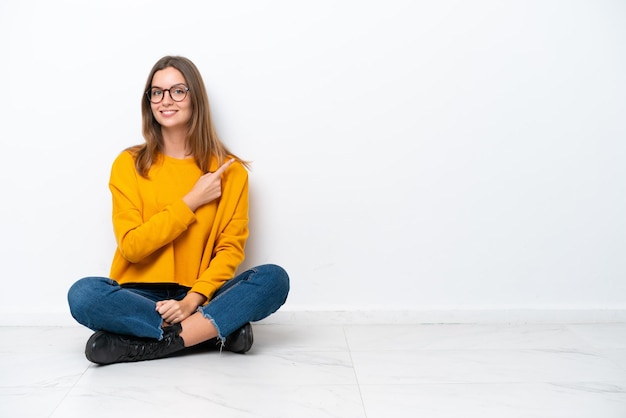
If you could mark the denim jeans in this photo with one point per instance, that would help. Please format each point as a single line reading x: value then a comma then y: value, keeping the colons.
x: 100, y: 303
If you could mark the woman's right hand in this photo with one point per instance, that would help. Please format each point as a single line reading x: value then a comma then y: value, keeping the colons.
x: 207, y: 188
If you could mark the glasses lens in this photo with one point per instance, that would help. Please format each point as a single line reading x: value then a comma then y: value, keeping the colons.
x: 178, y: 92
x: 155, y: 95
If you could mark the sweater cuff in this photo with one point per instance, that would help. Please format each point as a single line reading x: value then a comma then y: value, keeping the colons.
x: 205, y: 289
x: 182, y: 212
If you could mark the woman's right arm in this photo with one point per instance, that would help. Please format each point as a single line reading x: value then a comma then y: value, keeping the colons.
x: 138, y: 238
x: 207, y: 188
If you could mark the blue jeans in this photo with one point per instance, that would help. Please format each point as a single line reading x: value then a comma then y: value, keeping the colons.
x: 100, y: 303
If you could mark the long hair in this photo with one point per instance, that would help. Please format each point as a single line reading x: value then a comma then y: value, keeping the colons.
x: 202, y: 138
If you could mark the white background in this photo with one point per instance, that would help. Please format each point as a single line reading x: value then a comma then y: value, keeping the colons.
x: 413, y: 155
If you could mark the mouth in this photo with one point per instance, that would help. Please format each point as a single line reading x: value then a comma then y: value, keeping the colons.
x: 168, y: 112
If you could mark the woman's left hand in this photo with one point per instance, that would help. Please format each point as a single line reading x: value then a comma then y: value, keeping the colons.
x: 175, y: 311
x: 171, y: 311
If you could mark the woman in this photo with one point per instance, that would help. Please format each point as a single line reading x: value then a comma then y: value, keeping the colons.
x: 180, y: 218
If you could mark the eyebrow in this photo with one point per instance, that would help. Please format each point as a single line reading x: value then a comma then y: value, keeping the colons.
x: 176, y: 84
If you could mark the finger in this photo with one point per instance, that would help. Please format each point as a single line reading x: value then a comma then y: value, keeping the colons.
x: 224, y: 166
x: 164, y: 306
x: 170, y: 318
x: 174, y: 316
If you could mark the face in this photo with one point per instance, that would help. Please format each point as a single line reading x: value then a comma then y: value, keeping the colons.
x: 168, y: 113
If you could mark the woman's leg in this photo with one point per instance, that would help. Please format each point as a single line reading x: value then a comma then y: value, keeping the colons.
x: 197, y: 329
x: 251, y: 296
x: 100, y: 303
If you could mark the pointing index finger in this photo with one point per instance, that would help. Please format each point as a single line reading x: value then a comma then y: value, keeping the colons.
x: 224, y: 166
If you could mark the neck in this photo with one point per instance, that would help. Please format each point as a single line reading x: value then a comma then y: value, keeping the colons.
x: 175, y: 143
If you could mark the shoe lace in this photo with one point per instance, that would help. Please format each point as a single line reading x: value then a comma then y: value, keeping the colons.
x: 148, y: 349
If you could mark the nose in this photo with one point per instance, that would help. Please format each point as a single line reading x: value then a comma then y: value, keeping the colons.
x: 167, y: 98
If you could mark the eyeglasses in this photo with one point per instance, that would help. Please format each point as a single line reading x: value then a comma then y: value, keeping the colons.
x: 178, y: 92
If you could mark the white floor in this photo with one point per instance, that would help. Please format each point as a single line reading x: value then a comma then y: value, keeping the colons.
x: 371, y: 371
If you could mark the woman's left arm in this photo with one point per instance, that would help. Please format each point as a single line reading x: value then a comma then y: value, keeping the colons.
x: 227, y: 252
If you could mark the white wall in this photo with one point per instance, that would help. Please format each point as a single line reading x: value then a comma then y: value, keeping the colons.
x: 407, y: 154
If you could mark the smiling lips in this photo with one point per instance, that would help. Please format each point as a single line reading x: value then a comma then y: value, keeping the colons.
x: 168, y: 112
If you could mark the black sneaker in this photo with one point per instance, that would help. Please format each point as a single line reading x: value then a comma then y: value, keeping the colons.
x: 241, y: 340
x: 107, y: 348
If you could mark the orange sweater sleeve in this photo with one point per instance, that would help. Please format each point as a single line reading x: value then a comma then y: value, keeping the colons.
x: 227, y: 248
x: 138, y: 238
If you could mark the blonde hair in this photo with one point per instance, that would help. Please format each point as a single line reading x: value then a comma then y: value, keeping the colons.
x: 202, y: 138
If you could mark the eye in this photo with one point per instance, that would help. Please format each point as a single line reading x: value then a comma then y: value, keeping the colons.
x: 156, y: 93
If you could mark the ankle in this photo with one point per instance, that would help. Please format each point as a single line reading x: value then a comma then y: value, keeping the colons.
x: 197, y: 329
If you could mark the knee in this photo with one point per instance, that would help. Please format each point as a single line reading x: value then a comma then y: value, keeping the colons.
x: 81, y: 294
x: 276, y: 278
x: 77, y: 295
x: 78, y: 290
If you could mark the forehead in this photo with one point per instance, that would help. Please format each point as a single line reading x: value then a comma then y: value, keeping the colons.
x: 167, y: 77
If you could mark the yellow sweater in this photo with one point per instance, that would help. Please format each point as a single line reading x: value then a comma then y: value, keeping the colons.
x: 160, y: 240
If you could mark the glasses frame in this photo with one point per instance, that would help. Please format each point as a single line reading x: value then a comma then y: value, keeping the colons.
x: 149, y: 93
